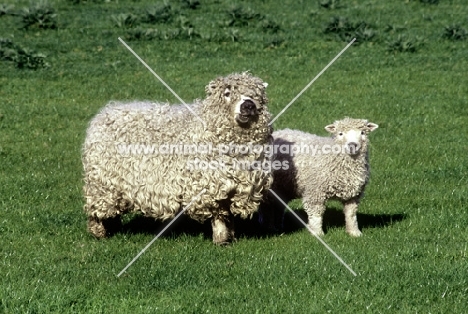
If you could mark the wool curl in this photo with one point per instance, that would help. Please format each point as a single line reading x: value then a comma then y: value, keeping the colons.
x: 318, y: 177
x: 160, y: 185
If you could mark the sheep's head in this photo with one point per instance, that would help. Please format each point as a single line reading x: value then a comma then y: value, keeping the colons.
x: 351, y: 133
x: 241, y: 97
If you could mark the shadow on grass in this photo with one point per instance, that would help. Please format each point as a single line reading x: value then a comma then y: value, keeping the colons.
x: 245, y: 228
x: 334, y: 218
x: 250, y: 228
x: 183, y: 225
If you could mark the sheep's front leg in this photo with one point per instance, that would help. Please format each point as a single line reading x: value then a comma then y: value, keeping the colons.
x: 223, y: 229
x: 96, y: 227
x: 102, y: 204
x: 315, y: 217
x: 350, y: 209
x: 100, y: 228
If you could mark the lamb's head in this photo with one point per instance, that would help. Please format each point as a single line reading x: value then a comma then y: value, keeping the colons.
x: 351, y: 134
x: 241, y: 97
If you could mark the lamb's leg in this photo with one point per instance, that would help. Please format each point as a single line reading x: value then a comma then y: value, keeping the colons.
x: 223, y: 229
x: 315, y: 216
x: 350, y: 209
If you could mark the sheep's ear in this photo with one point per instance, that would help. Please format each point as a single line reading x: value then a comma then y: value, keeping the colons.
x: 331, y: 128
x: 372, y: 126
x: 211, y: 87
x: 265, y: 84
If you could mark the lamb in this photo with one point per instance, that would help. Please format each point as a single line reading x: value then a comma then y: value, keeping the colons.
x: 126, y: 169
x: 317, y: 169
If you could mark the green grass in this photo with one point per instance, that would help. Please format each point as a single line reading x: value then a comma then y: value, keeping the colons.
x: 413, y: 255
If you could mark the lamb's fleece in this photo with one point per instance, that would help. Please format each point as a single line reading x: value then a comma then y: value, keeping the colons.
x: 335, y: 167
x: 118, y: 180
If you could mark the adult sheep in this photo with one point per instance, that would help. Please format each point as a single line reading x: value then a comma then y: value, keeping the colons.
x: 317, y: 169
x: 127, y: 170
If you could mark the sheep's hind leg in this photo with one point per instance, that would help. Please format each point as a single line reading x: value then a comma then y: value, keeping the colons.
x: 350, y: 209
x: 223, y: 229
x: 315, y: 217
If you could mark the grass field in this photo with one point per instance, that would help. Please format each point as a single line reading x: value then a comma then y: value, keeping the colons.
x: 407, y: 72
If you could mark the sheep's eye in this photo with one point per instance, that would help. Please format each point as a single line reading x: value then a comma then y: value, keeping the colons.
x: 340, y: 134
x: 227, y: 91
x: 363, y: 132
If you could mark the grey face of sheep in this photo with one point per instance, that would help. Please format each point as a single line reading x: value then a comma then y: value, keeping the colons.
x: 245, y: 99
x: 246, y: 109
x: 352, y: 134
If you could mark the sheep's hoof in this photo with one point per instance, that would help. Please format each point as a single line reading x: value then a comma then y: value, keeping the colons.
x: 223, y: 238
x: 101, y: 228
x: 96, y: 228
x: 354, y: 233
x: 225, y: 243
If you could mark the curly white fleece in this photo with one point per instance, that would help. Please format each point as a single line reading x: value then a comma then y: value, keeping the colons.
x: 160, y: 185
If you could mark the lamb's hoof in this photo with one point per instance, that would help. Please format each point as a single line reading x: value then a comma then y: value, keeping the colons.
x: 96, y: 228
x: 318, y: 232
x: 354, y: 233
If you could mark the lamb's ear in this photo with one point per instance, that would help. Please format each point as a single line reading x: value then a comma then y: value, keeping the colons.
x: 265, y: 84
x: 331, y: 128
x: 372, y: 126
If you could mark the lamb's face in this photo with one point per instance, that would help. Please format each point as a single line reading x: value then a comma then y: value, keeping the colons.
x: 241, y: 96
x: 351, y: 133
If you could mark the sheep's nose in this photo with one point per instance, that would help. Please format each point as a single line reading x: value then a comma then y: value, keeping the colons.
x: 248, y: 107
x: 353, y: 147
